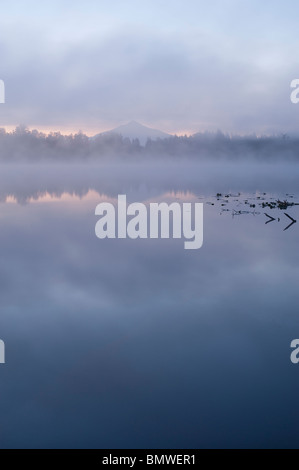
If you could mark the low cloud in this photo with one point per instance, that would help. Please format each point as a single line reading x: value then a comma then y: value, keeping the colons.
x: 176, y: 82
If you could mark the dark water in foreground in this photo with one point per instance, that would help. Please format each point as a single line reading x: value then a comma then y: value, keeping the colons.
x: 139, y: 343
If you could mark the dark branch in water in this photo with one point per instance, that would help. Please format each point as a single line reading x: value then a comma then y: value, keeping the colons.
x: 291, y: 218
x: 292, y: 223
x: 271, y: 218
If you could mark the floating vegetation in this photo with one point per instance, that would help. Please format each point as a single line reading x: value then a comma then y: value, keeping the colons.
x: 237, y: 205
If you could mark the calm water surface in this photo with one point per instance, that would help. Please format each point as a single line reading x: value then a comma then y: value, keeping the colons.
x: 139, y: 343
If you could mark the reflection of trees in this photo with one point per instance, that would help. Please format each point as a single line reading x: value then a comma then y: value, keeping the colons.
x: 23, y: 145
x: 24, y: 182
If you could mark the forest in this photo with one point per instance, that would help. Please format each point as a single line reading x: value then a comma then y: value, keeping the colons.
x: 23, y: 145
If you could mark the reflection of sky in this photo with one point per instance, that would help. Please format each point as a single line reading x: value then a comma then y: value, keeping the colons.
x: 29, y: 183
x: 121, y: 343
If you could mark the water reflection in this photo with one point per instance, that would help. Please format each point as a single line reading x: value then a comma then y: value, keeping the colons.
x: 139, y: 343
x: 253, y: 204
x: 27, y: 182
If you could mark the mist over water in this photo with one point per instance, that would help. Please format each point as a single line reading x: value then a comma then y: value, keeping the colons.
x: 24, y: 182
x: 124, y: 343
x: 139, y: 343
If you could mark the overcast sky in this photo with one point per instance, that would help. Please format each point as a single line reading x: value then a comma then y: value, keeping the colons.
x: 177, y: 65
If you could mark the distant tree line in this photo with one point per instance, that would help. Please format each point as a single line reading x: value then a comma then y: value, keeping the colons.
x: 23, y: 145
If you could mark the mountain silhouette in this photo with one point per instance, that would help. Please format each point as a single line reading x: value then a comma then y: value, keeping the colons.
x: 135, y: 130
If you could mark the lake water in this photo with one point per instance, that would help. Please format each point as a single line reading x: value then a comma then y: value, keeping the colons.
x: 140, y: 343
